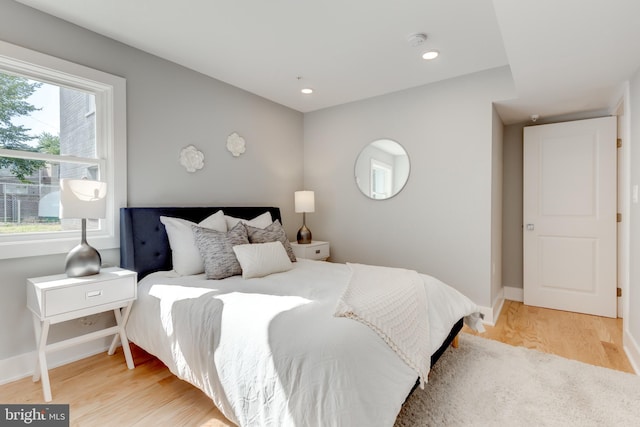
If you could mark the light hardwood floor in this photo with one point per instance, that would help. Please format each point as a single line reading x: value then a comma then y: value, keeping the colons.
x: 101, y: 390
x: 589, y: 339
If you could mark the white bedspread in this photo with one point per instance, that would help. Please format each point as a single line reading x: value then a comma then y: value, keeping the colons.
x: 269, y: 351
x: 392, y: 302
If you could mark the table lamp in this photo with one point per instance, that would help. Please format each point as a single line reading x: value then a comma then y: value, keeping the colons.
x: 82, y: 198
x: 304, y: 202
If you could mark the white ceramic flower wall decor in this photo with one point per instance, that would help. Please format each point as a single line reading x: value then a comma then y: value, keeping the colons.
x: 236, y: 144
x: 191, y: 158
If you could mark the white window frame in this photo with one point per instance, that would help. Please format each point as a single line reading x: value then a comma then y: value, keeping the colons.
x: 111, y: 130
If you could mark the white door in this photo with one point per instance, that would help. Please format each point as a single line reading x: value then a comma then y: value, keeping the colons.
x: 569, y: 213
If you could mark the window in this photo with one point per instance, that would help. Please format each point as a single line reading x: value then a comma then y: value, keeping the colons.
x: 381, y: 174
x: 57, y: 120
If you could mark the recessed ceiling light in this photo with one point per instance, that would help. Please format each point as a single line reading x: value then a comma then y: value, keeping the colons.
x: 431, y: 54
x: 304, y: 89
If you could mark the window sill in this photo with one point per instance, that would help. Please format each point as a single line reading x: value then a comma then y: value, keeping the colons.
x: 31, y: 248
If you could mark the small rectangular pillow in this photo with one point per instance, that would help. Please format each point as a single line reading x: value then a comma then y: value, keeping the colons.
x: 262, y: 259
x: 261, y: 221
x: 272, y: 233
x: 184, y: 252
x: 216, y: 250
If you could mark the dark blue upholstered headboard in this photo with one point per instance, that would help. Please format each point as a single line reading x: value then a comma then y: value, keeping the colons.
x: 144, y: 245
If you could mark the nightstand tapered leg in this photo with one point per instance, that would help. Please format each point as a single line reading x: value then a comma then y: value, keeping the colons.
x: 114, y: 344
x: 37, y: 329
x: 42, y: 361
x: 114, y: 341
x: 121, y: 321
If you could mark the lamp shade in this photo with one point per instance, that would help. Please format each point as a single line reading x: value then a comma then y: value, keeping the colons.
x: 82, y: 198
x: 304, y: 201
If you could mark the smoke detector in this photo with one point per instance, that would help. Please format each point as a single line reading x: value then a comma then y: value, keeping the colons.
x: 417, y: 39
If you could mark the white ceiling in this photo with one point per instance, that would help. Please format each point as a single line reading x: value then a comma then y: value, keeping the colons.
x: 566, y: 56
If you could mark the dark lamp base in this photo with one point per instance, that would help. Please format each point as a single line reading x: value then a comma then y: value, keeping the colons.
x: 83, y: 260
x: 304, y: 235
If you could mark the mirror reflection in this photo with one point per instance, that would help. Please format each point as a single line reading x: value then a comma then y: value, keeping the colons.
x: 382, y: 169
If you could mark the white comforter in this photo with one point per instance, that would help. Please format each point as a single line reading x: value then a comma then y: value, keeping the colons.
x: 269, y: 351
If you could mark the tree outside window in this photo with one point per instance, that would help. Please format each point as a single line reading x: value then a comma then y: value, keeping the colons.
x: 58, y: 121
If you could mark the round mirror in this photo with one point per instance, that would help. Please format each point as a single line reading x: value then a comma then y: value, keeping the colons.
x: 382, y: 169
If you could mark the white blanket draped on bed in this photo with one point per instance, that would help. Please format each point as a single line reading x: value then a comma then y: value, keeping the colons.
x: 392, y: 302
x: 270, y: 352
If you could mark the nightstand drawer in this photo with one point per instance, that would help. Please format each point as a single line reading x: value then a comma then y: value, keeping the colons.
x: 315, y: 250
x: 92, y: 294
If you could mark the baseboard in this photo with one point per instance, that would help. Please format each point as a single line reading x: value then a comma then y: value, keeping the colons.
x: 22, y: 365
x: 632, y: 350
x: 514, y: 294
x: 491, y: 314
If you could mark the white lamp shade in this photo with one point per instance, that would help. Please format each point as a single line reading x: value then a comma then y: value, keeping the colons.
x: 81, y: 198
x: 305, y: 201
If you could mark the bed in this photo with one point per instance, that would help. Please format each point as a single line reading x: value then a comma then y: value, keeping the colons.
x: 269, y: 350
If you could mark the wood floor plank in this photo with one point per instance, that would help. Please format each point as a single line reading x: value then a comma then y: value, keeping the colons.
x: 101, y: 388
x: 590, y: 339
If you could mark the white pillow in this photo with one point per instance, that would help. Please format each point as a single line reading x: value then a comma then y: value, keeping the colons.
x: 184, y: 252
x: 261, y: 221
x: 262, y: 259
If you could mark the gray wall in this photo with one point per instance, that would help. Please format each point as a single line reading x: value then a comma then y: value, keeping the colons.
x: 441, y: 223
x: 512, y: 206
x: 168, y: 107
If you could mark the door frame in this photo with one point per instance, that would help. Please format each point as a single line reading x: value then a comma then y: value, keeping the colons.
x: 621, y: 110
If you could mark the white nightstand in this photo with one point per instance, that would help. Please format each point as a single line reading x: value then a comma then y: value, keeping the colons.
x: 315, y: 250
x: 55, y: 299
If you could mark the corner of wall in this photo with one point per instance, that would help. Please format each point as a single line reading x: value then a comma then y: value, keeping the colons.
x: 491, y: 314
x: 514, y: 294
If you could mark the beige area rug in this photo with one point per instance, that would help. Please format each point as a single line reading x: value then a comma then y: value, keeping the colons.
x: 487, y: 383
